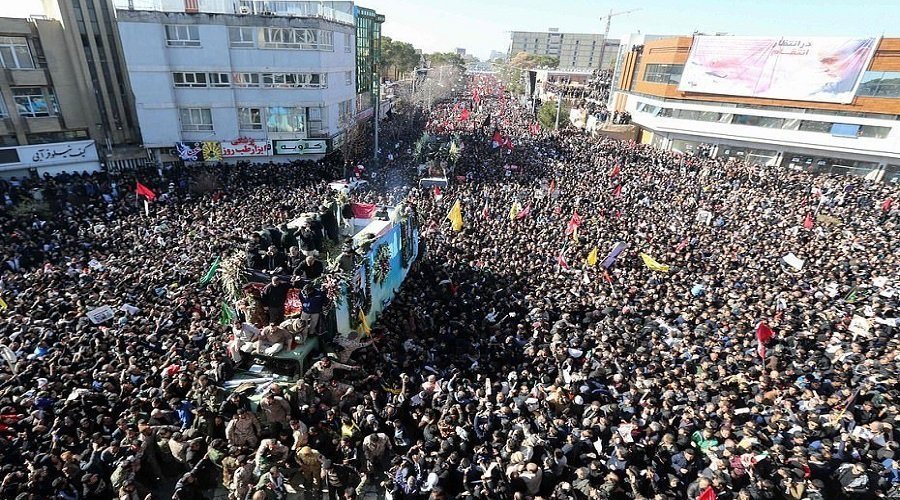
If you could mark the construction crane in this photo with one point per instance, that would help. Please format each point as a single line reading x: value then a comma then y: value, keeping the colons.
x: 608, y: 18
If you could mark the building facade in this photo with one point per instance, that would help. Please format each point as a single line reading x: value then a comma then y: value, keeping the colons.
x: 92, y: 41
x: 45, y: 125
x: 574, y: 50
x: 368, y: 55
x: 860, y: 137
x: 240, y: 82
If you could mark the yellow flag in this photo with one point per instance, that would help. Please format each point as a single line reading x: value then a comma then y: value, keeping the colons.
x: 592, y: 257
x: 363, y: 328
x: 455, y: 216
x: 653, y: 265
x: 514, y: 210
x: 3, y: 304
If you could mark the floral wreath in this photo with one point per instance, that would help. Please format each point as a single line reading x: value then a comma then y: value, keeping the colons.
x: 382, y: 263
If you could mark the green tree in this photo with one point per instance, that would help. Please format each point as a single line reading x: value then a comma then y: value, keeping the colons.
x: 547, y: 115
x: 398, y: 58
x: 438, y: 59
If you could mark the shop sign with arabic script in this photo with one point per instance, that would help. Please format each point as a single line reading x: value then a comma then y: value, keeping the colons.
x: 244, y: 146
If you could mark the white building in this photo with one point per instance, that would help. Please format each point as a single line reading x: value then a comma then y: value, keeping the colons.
x: 237, y: 80
x: 573, y: 50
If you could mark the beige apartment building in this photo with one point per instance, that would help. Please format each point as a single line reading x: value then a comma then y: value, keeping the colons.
x: 574, y: 50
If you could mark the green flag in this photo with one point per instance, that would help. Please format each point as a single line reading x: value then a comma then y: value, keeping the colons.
x: 228, y: 314
x: 208, y: 277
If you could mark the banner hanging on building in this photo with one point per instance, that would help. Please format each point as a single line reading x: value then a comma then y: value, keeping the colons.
x: 299, y: 147
x: 821, y: 69
x: 244, y: 146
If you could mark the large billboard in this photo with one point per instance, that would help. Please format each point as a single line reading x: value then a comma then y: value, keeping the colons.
x: 799, y: 69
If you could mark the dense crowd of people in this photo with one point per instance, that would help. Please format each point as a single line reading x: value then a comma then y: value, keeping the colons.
x: 515, y: 361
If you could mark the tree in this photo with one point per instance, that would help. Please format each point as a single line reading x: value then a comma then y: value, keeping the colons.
x: 397, y: 58
x: 525, y: 60
x: 547, y: 115
x: 446, y: 59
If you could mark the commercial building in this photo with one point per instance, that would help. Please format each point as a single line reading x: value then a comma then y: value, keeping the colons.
x: 45, y: 124
x: 92, y: 44
x: 574, y: 50
x: 820, y: 104
x: 368, y: 55
x: 245, y: 79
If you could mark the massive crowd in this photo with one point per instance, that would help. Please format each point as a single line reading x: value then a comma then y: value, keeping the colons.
x: 508, y: 366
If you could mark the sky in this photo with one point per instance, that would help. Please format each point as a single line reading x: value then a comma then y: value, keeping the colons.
x: 480, y: 26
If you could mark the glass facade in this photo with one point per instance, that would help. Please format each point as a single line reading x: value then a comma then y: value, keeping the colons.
x: 669, y: 74
x: 368, y: 50
x: 880, y: 84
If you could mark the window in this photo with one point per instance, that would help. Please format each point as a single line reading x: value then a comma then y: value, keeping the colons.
x: 758, y: 121
x: 880, y: 84
x: 246, y: 79
x: 279, y: 119
x: 178, y: 35
x: 190, y: 79
x: 348, y: 42
x: 345, y: 112
x: 3, y: 112
x: 33, y: 102
x: 844, y: 130
x: 196, y: 120
x: 219, y: 80
x: 298, y: 38
x: 348, y: 78
x: 295, y: 80
x: 874, y: 132
x: 669, y: 74
x: 314, y: 116
x: 814, y: 126
x: 250, y: 118
x: 14, y: 53
x: 242, y: 37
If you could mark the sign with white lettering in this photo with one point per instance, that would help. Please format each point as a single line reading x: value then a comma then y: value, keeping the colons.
x: 243, y: 147
x: 299, y: 147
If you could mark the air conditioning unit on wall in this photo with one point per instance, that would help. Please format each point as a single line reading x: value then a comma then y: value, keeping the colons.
x: 243, y: 9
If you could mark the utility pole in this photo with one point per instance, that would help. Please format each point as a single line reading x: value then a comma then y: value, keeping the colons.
x: 558, y: 106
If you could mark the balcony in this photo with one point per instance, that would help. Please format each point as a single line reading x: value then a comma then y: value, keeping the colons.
x: 285, y: 8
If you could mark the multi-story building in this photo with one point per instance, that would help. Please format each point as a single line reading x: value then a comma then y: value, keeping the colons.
x: 45, y: 124
x: 574, y: 50
x: 242, y: 79
x: 820, y: 104
x: 92, y: 42
x: 368, y: 55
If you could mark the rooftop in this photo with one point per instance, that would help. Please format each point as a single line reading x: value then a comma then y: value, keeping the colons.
x: 340, y: 11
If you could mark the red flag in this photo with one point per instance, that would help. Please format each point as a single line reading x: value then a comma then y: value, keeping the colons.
x: 524, y: 212
x: 437, y: 193
x: 574, y: 223
x: 615, y: 171
x: 887, y: 204
x: 561, y: 259
x: 485, y: 213
x: 808, y: 221
x: 607, y: 277
x: 507, y: 143
x: 145, y: 191
x: 763, y: 332
x: 496, y: 139
x: 617, y: 191
x: 707, y: 494
x: 363, y: 210
x: 553, y: 185
x: 464, y: 115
